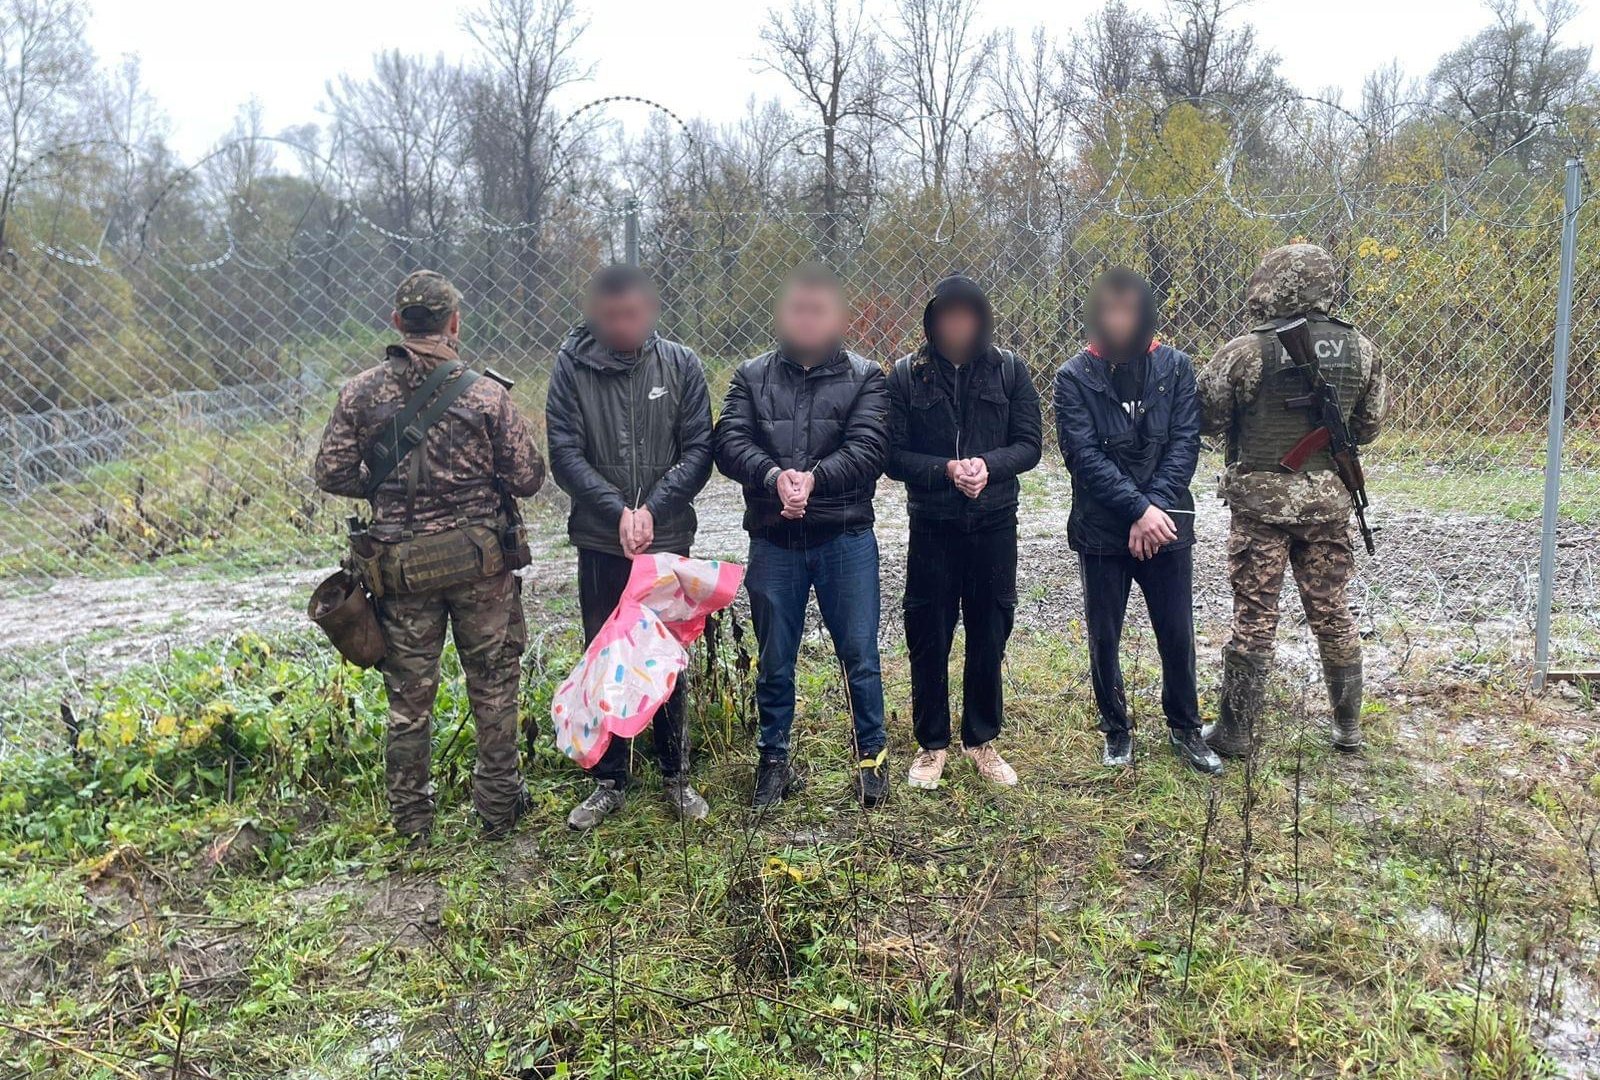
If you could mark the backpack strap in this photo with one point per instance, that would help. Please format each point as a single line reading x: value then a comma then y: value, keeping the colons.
x: 410, y: 425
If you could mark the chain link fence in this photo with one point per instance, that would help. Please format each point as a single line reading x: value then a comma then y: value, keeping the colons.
x: 166, y: 362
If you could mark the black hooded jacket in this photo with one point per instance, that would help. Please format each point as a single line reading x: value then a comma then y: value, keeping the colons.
x: 1123, y: 464
x: 628, y: 430
x: 938, y: 412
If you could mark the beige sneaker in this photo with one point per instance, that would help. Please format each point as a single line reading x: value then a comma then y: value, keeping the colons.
x: 926, y: 769
x: 991, y: 766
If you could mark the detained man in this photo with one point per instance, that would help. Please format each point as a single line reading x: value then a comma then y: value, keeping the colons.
x: 963, y: 425
x: 628, y: 419
x: 1128, y: 421
x: 804, y: 430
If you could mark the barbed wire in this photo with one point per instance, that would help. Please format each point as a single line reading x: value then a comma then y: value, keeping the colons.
x: 1135, y: 129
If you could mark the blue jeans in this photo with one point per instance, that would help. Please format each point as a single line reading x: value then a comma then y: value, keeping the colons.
x: 779, y: 580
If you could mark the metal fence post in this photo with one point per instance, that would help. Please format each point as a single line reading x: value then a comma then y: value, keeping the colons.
x: 1572, y: 199
x: 630, y: 231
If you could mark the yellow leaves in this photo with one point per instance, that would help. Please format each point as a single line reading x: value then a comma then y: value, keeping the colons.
x: 778, y: 868
x: 1390, y: 254
x: 1367, y: 248
x: 166, y: 725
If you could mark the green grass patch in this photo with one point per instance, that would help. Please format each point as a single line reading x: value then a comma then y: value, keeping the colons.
x: 206, y: 864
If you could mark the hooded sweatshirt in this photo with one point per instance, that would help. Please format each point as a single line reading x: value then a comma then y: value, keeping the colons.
x: 628, y: 430
x: 940, y: 411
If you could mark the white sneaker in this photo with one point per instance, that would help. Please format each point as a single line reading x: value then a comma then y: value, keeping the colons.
x: 991, y: 766
x: 926, y: 769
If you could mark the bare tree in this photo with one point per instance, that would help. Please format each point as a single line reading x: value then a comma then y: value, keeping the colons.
x: 1515, y: 74
x: 530, y: 54
x: 828, y: 55
x: 1385, y: 93
x: 1027, y: 91
x: 45, y: 64
x: 1199, y: 55
x: 1111, y: 55
x: 400, y: 136
x: 940, y: 58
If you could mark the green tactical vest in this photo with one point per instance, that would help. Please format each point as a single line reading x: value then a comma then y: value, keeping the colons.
x: 1268, y: 428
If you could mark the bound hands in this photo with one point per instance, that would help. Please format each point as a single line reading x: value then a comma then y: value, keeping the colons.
x: 969, y: 475
x: 1151, y: 531
x: 794, y: 489
x: 637, y: 531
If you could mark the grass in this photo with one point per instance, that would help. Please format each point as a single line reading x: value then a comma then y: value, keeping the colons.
x: 206, y: 886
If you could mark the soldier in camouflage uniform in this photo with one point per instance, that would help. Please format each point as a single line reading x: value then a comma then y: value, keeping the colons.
x: 1299, y: 519
x: 437, y: 522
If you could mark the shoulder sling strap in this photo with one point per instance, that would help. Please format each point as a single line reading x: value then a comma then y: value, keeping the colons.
x: 410, y: 425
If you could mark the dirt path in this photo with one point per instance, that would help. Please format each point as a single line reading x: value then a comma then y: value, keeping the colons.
x: 1445, y: 585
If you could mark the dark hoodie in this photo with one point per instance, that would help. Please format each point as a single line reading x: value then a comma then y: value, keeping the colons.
x: 986, y: 408
x: 628, y: 430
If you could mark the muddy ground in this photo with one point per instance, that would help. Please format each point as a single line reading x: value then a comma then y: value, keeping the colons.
x: 1444, y: 587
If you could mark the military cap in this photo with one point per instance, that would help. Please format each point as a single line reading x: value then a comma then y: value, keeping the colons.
x: 427, y: 289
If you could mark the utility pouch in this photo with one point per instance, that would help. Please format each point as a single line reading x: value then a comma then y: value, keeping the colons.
x: 344, y: 610
x: 514, y: 544
x: 442, y: 560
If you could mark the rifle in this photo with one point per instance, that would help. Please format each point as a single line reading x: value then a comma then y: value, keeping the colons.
x: 1330, y: 433
x: 514, y: 532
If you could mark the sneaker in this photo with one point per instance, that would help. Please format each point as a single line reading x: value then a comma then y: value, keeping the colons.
x: 872, y: 779
x: 775, y: 781
x: 991, y: 766
x: 1118, y: 753
x: 926, y: 769
x: 1191, y: 746
x: 687, y: 803
x: 604, y: 801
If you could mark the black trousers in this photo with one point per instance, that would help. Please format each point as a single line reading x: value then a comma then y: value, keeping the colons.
x: 972, y: 576
x: 601, y: 579
x: 1167, y: 581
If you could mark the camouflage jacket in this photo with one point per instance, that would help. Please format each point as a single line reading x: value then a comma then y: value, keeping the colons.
x: 481, y: 438
x: 1292, y: 280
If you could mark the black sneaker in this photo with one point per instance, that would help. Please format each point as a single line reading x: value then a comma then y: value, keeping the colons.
x: 1118, y: 753
x: 1191, y: 747
x: 872, y: 779
x: 775, y: 780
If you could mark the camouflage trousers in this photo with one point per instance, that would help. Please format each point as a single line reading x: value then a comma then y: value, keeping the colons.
x: 1322, y: 560
x: 485, y: 616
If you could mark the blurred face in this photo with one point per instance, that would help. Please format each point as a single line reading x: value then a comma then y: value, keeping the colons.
x: 1116, y: 319
x: 623, y: 321
x: 955, y: 331
x: 811, y: 318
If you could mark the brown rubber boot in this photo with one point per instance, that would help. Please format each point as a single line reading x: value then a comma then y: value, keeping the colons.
x: 1244, y: 689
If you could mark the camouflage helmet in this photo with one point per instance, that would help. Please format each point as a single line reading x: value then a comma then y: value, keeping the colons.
x: 1291, y: 280
x: 431, y: 291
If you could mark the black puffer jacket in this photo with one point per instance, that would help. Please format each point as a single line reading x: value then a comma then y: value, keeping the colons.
x: 831, y: 419
x: 1122, y: 464
x: 628, y: 430
x: 987, y: 409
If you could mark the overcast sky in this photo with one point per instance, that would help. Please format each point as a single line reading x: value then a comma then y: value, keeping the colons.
x: 203, y: 60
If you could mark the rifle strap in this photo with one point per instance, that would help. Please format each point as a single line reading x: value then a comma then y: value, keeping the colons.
x: 411, y: 424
